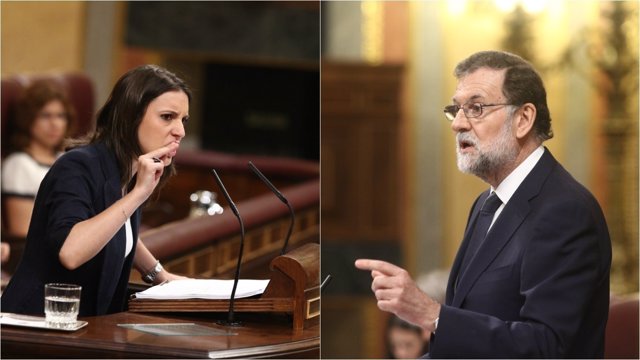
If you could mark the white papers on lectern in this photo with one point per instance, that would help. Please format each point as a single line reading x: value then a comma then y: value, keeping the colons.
x: 203, y: 289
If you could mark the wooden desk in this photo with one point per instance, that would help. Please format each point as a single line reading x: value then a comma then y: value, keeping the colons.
x: 261, y: 335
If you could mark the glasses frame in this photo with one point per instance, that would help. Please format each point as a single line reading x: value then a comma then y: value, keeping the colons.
x: 465, y: 108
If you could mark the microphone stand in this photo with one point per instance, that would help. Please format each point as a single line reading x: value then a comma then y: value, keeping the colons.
x: 230, y: 319
x: 282, y: 198
x: 325, y: 282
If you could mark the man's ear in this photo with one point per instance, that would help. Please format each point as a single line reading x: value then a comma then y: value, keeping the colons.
x: 525, y: 120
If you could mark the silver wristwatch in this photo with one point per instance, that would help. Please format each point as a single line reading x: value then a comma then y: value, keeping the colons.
x: 151, y: 275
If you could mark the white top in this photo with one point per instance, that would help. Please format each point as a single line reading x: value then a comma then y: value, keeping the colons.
x: 22, y: 175
x: 129, y: 232
x: 512, y: 182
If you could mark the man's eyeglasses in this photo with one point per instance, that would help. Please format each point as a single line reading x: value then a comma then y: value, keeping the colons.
x: 471, y: 110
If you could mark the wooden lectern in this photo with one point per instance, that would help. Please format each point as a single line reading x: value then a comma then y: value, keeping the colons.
x: 294, y: 288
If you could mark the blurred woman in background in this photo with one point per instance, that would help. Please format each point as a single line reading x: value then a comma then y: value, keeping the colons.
x: 44, y: 117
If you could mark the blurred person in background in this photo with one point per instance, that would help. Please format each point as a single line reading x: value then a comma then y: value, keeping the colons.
x: 44, y: 117
x: 405, y: 340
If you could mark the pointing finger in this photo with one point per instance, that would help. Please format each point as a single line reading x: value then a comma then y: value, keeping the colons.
x: 382, y: 267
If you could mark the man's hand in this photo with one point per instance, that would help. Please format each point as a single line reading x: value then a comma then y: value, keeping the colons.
x: 397, y: 293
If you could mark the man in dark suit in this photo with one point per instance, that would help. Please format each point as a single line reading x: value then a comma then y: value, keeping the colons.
x: 531, y: 277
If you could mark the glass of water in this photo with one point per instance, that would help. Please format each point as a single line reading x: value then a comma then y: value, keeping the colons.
x: 61, y: 305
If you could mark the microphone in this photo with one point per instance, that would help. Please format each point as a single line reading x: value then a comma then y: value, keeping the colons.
x: 325, y: 282
x: 230, y: 320
x: 282, y: 198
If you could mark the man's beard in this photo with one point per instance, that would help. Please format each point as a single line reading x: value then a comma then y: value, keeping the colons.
x: 489, y: 158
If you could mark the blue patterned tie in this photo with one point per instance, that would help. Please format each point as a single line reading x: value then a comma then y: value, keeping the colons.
x: 480, y: 229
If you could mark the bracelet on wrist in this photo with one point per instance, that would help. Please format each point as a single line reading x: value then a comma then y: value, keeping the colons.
x: 150, y: 277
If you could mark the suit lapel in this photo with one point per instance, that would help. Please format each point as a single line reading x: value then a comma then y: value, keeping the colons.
x: 511, y: 217
x: 457, y: 263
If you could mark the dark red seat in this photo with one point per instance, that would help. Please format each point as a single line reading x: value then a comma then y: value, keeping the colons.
x: 621, y: 339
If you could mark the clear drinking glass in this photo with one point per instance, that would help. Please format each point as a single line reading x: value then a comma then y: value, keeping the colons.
x: 61, y: 305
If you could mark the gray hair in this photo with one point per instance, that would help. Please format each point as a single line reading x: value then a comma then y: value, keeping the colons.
x: 522, y: 84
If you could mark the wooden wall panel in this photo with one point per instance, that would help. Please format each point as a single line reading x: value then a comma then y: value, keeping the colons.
x: 361, y: 116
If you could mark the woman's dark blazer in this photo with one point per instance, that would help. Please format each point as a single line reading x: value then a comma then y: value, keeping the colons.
x: 82, y: 183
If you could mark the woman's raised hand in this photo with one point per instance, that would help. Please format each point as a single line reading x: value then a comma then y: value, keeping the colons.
x: 150, y: 167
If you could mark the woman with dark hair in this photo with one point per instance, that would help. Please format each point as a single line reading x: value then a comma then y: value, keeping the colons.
x: 43, y: 119
x: 84, y: 228
x: 405, y: 340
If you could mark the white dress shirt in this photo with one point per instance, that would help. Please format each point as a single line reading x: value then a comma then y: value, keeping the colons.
x: 512, y: 182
